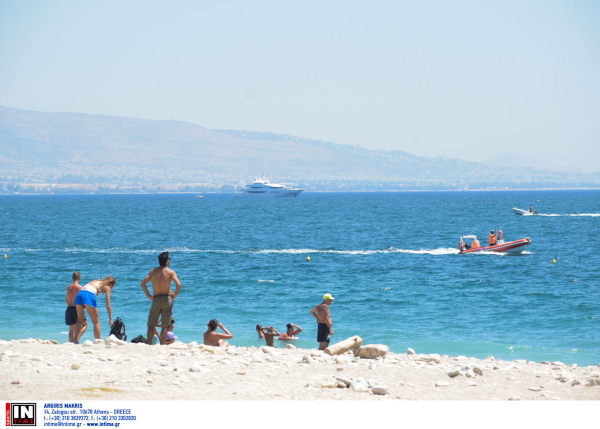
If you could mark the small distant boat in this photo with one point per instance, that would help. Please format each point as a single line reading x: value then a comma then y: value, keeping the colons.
x: 524, y: 212
x: 199, y: 196
x: 512, y: 247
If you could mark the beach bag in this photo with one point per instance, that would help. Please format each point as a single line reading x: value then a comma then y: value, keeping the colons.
x: 139, y: 339
x: 118, y: 329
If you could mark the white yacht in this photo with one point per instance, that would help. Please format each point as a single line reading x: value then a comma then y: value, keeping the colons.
x: 264, y: 189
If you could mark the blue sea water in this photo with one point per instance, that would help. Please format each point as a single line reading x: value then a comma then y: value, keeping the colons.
x: 389, y: 259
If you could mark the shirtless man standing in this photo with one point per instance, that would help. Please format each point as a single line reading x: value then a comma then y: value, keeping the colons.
x: 323, y: 316
x: 71, y: 313
x: 162, y: 300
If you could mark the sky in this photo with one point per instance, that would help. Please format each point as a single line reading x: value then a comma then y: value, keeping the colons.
x: 462, y: 79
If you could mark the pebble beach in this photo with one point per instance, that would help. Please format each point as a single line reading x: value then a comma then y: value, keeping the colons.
x: 36, y: 369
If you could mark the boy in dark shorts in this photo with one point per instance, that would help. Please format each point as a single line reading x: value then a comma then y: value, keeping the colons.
x: 71, y: 312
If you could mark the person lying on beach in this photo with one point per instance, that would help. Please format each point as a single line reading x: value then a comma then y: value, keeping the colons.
x: 86, y: 300
x: 261, y: 334
x: 211, y: 338
x: 292, y: 331
x: 71, y: 312
x: 270, y: 334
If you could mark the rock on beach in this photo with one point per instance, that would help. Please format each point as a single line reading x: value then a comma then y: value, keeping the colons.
x: 371, y: 351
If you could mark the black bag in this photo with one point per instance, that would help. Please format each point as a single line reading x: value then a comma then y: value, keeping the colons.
x: 118, y: 329
x: 139, y: 339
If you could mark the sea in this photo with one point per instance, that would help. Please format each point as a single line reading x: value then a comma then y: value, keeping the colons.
x: 390, y: 259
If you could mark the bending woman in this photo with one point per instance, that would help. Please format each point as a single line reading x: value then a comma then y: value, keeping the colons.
x: 211, y: 338
x: 86, y: 300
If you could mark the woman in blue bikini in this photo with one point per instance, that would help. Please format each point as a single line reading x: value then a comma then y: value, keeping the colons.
x: 86, y: 300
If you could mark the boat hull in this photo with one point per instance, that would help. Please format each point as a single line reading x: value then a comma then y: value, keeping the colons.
x: 286, y: 193
x: 523, y: 212
x: 512, y: 247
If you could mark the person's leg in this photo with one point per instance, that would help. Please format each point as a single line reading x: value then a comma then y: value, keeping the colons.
x: 93, y: 312
x: 153, y: 319
x: 71, y: 333
x: 323, y: 345
x: 83, y: 329
x: 166, y: 311
x: 79, y: 324
x: 150, y: 335
x: 223, y: 343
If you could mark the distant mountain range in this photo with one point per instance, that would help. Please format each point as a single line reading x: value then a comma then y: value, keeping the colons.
x: 516, y: 160
x: 47, y: 146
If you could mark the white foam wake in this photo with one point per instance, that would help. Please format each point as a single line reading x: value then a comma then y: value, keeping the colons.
x: 438, y: 251
x: 574, y: 215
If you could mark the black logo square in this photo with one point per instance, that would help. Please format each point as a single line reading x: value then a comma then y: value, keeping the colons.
x: 23, y: 414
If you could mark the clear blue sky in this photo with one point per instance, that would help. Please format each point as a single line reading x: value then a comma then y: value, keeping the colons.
x: 466, y: 80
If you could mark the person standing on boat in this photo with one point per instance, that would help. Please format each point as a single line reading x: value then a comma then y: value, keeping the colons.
x: 475, y: 244
x: 530, y: 210
x: 492, y: 238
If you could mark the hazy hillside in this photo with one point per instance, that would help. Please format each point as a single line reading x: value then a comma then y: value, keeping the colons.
x: 55, y: 144
x: 516, y: 160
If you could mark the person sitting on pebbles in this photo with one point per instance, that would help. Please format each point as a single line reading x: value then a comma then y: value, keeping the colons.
x: 170, y: 335
x: 292, y: 331
x: 211, y: 338
x: 170, y: 338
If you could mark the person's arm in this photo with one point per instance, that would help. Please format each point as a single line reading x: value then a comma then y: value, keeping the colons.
x: 108, y: 308
x: 228, y: 335
x: 298, y: 329
x: 328, y: 320
x: 276, y: 331
x: 314, y: 313
x: 178, y: 283
x: 145, y: 288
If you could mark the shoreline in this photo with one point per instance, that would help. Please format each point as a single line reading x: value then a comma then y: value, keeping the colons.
x: 113, y: 370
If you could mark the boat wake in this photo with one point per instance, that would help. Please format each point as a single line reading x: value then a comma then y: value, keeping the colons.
x: 572, y: 215
x: 439, y: 251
